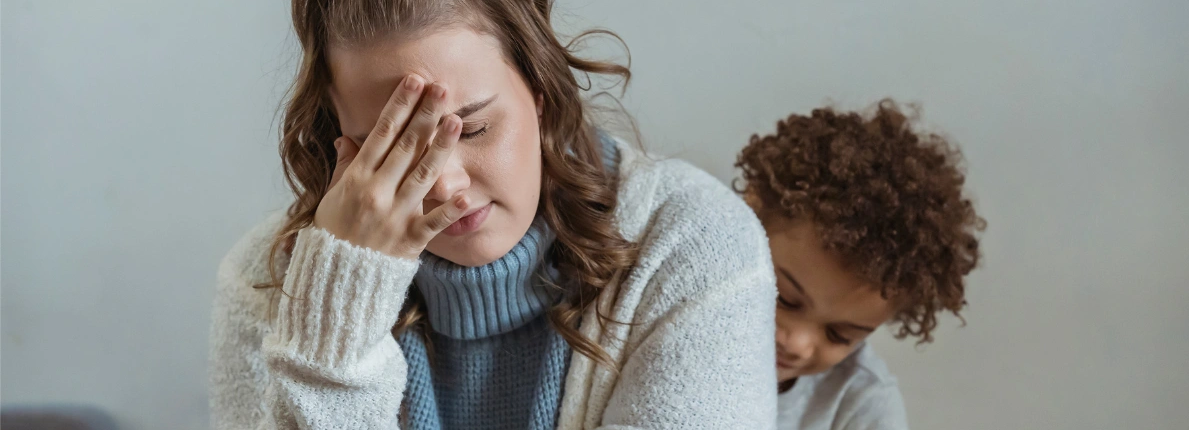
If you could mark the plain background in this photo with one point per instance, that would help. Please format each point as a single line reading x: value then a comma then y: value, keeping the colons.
x: 139, y: 143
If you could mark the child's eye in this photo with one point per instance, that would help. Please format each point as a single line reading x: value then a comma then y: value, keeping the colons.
x: 833, y: 336
x: 792, y: 306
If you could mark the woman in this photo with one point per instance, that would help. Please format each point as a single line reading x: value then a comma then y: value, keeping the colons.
x: 458, y: 255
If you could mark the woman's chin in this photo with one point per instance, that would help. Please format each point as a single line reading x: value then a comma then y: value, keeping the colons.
x: 472, y: 250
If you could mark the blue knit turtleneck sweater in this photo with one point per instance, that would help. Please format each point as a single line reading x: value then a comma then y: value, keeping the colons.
x: 494, y: 361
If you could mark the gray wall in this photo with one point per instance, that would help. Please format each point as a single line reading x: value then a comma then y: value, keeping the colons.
x: 139, y: 143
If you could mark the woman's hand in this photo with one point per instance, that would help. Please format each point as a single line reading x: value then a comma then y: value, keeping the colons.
x: 377, y: 189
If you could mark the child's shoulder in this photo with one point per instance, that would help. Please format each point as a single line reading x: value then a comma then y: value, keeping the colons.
x: 863, y: 369
x: 859, y: 392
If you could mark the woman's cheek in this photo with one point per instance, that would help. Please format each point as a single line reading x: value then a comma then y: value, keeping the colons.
x: 523, y: 152
x: 510, y: 167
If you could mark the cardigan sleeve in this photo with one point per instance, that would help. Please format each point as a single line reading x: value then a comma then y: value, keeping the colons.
x: 324, y: 356
x: 708, y: 364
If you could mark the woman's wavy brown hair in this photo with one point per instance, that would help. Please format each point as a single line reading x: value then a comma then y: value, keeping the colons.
x: 578, y: 196
x: 884, y: 197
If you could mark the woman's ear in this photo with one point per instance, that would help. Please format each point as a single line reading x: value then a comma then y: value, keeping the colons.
x: 540, y: 99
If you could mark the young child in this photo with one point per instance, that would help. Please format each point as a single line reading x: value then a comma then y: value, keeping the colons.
x: 868, y: 224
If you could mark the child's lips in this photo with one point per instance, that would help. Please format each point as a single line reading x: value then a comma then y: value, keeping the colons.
x: 785, y: 363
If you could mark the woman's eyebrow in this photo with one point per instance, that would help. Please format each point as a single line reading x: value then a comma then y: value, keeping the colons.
x: 462, y: 112
x: 471, y: 108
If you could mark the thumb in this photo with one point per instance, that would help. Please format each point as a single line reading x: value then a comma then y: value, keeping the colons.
x: 346, y: 150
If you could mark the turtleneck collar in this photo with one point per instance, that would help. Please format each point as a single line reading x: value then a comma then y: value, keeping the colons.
x: 477, y: 302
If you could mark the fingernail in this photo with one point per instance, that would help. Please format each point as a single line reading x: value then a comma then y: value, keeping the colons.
x: 413, y: 83
x: 461, y: 203
x: 438, y: 91
x: 454, y: 124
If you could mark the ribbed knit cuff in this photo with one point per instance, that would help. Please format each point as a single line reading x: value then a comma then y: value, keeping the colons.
x: 339, y: 299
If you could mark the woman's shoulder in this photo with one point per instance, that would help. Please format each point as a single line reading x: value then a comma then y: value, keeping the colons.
x: 665, y: 192
x: 247, y: 263
x: 685, y: 218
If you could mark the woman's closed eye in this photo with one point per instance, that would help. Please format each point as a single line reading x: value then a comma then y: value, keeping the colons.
x: 473, y: 131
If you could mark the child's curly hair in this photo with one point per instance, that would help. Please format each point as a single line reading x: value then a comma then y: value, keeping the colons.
x: 886, y: 199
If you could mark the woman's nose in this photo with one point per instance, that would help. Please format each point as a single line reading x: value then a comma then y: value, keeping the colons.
x: 453, y: 180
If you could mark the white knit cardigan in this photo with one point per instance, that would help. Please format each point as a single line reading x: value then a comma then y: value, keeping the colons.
x: 697, y: 352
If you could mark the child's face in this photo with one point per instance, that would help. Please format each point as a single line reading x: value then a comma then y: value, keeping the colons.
x: 823, y: 311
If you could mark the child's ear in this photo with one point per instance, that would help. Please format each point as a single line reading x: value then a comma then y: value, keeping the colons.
x: 540, y: 99
x: 752, y: 200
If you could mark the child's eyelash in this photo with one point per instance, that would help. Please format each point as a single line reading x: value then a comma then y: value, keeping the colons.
x: 787, y: 304
x: 833, y: 336
x: 473, y: 134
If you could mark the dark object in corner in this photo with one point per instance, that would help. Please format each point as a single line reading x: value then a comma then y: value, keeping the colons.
x: 57, y: 417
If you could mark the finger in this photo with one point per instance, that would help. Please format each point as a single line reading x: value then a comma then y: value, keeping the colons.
x: 418, y: 182
x: 430, y: 225
x: 393, y: 120
x: 417, y: 135
x: 346, y: 150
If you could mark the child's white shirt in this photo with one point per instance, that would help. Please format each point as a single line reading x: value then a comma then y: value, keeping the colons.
x: 858, y: 393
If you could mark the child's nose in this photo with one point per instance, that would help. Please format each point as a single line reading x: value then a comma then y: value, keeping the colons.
x: 795, y: 343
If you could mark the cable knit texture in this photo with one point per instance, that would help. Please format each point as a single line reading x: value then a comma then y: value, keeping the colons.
x: 695, y: 353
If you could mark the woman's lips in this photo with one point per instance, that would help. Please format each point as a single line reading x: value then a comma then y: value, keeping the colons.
x: 468, y: 223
